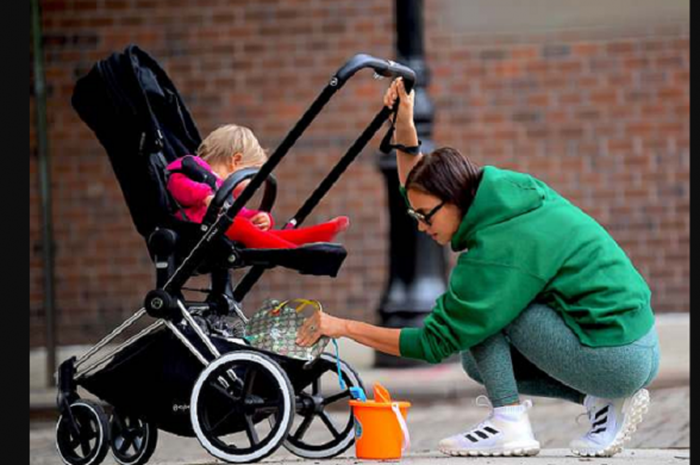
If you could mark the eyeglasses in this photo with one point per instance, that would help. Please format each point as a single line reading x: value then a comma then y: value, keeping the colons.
x: 425, y: 217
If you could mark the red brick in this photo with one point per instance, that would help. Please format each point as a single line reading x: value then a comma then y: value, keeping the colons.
x: 507, y: 69
x: 539, y: 100
x: 525, y: 52
x: 625, y: 80
x: 670, y: 62
x: 586, y: 49
x: 570, y: 98
x: 570, y: 67
x: 637, y: 63
x: 672, y: 93
x: 538, y: 67
x: 682, y: 77
x: 620, y: 48
x: 604, y: 97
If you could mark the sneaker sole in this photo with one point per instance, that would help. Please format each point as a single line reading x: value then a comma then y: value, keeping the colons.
x: 527, y: 451
x: 638, y: 405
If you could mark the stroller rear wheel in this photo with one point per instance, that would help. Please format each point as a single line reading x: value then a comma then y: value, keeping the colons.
x: 242, y: 407
x: 133, y: 439
x: 327, y: 425
x: 82, y: 434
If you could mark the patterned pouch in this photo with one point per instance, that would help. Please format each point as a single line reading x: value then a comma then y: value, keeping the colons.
x: 274, y: 328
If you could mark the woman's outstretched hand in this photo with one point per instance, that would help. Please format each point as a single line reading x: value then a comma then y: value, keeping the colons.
x: 405, y: 112
x: 320, y: 324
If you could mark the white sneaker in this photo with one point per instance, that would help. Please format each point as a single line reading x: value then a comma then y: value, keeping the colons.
x: 612, y: 423
x: 506, y: 432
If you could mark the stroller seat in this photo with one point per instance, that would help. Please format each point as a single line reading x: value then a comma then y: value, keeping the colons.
x: 179, y: 237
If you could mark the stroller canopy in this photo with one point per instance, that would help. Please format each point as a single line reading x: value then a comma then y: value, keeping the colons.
x: 139, y: 117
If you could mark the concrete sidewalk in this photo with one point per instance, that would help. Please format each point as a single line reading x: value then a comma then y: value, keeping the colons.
x: 430, y: 383
x: 663, y: 437
x: 443, y: 404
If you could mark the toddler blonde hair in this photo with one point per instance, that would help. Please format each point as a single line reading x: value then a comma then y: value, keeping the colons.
x: 228, y: 140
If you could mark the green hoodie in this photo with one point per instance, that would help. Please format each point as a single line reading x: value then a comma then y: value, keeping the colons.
x: 527, y: 243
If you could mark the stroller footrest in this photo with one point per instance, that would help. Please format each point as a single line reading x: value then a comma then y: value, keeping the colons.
x: 318, y: 259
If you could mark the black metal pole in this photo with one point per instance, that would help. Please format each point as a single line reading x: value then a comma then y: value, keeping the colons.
x: 417, y: 264
x: 45, y: 186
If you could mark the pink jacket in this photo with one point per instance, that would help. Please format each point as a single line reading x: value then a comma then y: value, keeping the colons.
x: 191, y: 194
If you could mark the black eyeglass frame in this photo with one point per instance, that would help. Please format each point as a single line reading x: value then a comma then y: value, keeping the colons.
x: 425, y: 217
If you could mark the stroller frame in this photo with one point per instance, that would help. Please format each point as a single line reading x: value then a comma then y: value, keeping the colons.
x: 165, y: 303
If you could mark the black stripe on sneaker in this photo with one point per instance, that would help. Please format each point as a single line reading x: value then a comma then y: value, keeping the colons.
x: 471, y: 438
x: 490, y: 430
x: 602, y: 412
x: 602, y: 421
x: 482, y: 435
x: 596, y: 431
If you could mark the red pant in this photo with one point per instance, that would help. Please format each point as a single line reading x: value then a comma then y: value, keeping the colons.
x: 244, y: 231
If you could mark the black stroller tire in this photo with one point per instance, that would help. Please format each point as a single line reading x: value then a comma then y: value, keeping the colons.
x: 91, y: 422
x: 240, y: 399
x: 345, y: 438
x: 131, y: 432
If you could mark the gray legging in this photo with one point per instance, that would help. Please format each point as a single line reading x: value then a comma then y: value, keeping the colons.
x: 537, y: 354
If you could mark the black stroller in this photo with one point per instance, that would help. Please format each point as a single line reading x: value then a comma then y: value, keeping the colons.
x: 179, y: 374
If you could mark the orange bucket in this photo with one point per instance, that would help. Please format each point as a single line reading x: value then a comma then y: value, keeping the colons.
x: 380, y: 427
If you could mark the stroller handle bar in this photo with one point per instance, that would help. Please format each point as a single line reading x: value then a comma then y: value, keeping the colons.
x: 384, y: 68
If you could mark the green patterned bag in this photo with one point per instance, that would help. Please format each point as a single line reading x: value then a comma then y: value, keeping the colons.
x: 274, y: 328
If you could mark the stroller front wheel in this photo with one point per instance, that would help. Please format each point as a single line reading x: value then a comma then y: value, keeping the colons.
x: 82, y: 434
x: 242, y: 407
x: 133, y: 439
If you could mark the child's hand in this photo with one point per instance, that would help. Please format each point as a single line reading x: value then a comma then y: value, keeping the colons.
x: 208, y: 199
x: 262, y: 221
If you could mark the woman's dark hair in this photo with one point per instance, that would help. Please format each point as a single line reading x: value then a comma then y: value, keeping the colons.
x: 448, y: 175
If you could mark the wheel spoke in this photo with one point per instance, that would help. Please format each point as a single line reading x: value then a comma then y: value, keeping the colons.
x: 249, y: 380
x: 126, y: 445
x: 269, y: 406
x: 118, y: 441
x: 336, y: 397
x: 73, y: 426
x: 304, y: 427
x: 90, y: 431
x: 85, y: 446
x: 73, y: 442
x: 220, y: 389
x: 250, y: 431
x: 328, y: 421
x: 225, y: 417
x: 138, y: 443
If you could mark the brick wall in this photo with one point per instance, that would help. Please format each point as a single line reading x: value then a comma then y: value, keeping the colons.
x: 603, y: 116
